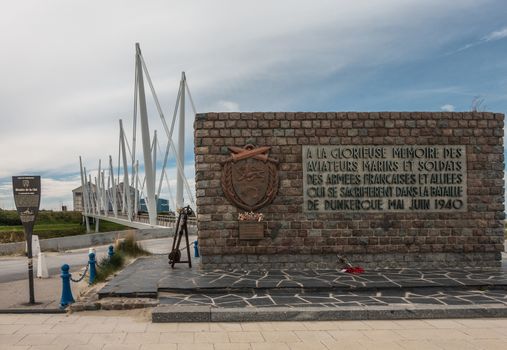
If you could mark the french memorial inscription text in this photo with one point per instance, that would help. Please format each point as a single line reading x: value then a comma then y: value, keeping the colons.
x: 373, y: 178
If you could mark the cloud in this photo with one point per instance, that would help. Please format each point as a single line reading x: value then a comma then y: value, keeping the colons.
x: 447, y: 108
x: 493, y: 36
x: 496, y: 35
x: 225, y: 106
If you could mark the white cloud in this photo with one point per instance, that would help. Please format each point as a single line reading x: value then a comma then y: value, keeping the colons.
x: 496, y: 35
x: 225, y: 106
x: 493, y: 36
x: 447, y: 108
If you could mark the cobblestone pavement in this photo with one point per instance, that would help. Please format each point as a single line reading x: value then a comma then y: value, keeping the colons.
x: 274, y: 298
x: 132, y: 330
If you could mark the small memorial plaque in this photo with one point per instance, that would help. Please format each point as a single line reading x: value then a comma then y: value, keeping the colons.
x: 251, y: 230
x: 27, y: 199
x: 384, y: 178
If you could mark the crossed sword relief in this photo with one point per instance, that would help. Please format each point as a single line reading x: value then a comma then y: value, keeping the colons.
x: 260, y: 153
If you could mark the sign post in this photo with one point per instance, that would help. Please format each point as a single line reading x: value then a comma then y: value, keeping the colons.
x: 27, y: 199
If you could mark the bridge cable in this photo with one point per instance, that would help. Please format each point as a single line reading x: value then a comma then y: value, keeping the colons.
x: 164, y: 123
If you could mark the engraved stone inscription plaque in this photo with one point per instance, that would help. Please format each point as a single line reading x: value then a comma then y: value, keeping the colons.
x: 384, y: 178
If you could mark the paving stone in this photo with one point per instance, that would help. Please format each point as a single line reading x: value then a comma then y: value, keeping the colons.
x: 10, y: 339
x: 280, y: 336
x: 107, y: 338
x: 142, y: 338
x: 195, y: 347
x: 315, y: 345
x: 177, y: 338
x: 72, y: 339
x: 121, y: 347
x: 233, y: 346
x: 246, y: 337
x: 164, y: 346
x: 48, y: 347
x: 38, y: 339
x: 9, y: 328
x: 211, y: 337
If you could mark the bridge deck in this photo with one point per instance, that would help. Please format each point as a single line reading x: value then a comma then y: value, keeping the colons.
x: 139, y: 221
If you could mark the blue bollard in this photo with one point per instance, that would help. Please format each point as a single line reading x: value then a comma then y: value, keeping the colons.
x: 66, y: 291
x: 196, y: 249
x: 93, y: 270
x: 110, y: 252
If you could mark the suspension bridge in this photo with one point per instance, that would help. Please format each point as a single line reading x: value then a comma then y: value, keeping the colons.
x: 130, y: 194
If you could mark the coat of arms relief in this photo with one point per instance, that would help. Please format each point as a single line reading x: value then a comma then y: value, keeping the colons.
x: 250, y: 177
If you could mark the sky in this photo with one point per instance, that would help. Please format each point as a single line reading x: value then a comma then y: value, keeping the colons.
x: 67, y: 68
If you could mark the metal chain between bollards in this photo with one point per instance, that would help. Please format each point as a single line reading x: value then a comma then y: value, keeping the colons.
x: 191, y: 244
x: 82, y: 276
x: 90, y: 269
x: 195, y: 244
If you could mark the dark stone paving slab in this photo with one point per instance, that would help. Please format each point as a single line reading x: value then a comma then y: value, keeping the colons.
x: 411, y: 297
x: 149, y: 275
x: 193, y: 295
x: 140, y: 277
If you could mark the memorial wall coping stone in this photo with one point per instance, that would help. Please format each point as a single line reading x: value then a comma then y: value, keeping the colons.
x: 388, y: 189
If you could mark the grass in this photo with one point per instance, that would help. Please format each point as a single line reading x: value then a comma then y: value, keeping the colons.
x: 124, y: 250
x: 107, y: 267
x: 131, y: 247
x: 49, y: 224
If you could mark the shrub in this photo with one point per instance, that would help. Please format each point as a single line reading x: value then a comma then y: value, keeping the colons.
x: 130, y: 246
x: 108, y: 266
x: 9, y: 218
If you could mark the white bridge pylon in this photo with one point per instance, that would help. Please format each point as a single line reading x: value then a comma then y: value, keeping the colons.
x: 108, y: 197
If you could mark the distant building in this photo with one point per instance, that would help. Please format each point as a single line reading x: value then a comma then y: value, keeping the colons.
x: 162, y: 205
x: 77, y: 196
x: 119, y: 197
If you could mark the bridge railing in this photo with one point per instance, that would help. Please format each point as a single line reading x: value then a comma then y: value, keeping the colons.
x: 162, y: 219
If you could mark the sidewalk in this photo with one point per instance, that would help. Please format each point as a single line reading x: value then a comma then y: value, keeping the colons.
x: 14, y: 295
x: 132, y: 330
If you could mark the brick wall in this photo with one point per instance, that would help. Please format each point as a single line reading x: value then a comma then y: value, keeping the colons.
x: 295, y: 239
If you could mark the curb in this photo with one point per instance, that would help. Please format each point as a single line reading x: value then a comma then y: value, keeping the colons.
x: 114, y: 304
x: 161, y: 314
x: 33, y: 311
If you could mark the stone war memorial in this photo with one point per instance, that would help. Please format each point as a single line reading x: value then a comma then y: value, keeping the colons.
x: 388, y: 189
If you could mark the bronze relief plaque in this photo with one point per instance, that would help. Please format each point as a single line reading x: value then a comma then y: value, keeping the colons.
x: 250, y: 177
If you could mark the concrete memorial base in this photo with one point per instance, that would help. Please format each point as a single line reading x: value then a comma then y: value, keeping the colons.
x: 195, y: 295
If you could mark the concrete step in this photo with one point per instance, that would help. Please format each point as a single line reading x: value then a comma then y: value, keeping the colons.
x: 171, y: 313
